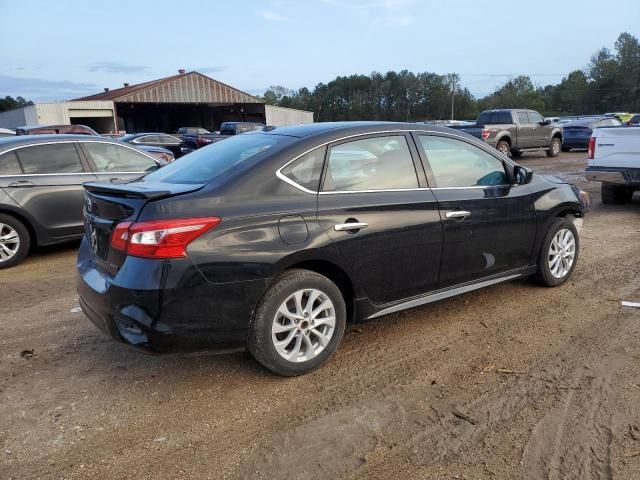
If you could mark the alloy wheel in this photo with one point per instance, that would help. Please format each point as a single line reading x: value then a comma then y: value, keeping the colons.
x: 555, y: 147
x: 9, y: 242
x: 562, y: 253
x: 304, y: 325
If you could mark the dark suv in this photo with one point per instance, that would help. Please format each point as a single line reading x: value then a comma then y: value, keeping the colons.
x: 41, y: 194
x: 273, y: 240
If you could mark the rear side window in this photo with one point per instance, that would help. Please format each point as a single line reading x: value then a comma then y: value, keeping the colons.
x: 52, y: 158
x: 377, y: 163
x: 110, y: 157
x: 523, y: 117
x: 9, y: 164
x: 494, y: 118
x: 216, y: 159
x: 459, y: 164
x: 306, y: 170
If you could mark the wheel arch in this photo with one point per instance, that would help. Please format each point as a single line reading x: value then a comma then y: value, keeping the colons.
x: 33, y: 234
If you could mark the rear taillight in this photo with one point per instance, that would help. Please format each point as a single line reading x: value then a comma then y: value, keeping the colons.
x: 203, y: 141
x: 592, y: 148
x: 485, y: 133
x: 160, y: 238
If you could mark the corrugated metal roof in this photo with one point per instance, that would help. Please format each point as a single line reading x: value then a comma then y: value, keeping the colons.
x: 191, y: 87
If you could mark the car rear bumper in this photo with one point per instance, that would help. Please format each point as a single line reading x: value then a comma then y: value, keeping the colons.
x: 621, y: 176
x: 186, y: 315
x: 575, y: 142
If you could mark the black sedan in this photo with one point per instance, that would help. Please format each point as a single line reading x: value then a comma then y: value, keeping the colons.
x: 576, y: 134
x: 162, y: 140
x: 274, y: 240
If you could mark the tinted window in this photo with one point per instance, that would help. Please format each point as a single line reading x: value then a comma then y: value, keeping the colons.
x: 209, y: 162
x: 167, y: 139
x: 535, y: 117
x: 459, y: 164
x: 9, y: 164
x: 523, y: 117
x: 52, y: 158
x: 494, y: 118
x: 306, y: 170
x: 377, y: 163
x: 111, y: 157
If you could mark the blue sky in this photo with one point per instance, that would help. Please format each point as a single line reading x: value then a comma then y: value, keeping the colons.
x: 52, y: 50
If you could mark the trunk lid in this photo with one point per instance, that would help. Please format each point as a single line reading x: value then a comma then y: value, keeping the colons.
x: 107, y: 204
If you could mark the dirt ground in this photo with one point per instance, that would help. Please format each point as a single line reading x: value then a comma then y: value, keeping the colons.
x: 512, y: 381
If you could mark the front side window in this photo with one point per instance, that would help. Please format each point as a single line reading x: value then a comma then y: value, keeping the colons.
x: 306, y: 170
x: 111, y: 157
x: 459, y: 164
x: 52, y: 158
x: 523, y: 118
x: 377, y: 163
x: 535, y: 117
x: 9, y: 164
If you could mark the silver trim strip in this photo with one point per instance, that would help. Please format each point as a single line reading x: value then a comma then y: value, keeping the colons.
x: 434, y: 297
x: 286, y: 179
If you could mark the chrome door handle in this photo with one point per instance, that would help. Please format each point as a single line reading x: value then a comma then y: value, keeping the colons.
x: 345, y: 227
x: 458, y: 214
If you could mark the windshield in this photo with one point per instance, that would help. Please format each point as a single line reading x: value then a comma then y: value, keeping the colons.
x: 209, y: 162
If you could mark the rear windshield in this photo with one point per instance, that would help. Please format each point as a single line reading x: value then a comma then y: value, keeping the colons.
x: 494, y: 118
x: 209, y: 162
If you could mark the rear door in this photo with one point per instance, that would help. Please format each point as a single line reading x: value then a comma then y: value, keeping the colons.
x: 489, y: 224
x: 375, y: 206
x: 526, y: 130
x: 114, y: 162
x: 49, y: 186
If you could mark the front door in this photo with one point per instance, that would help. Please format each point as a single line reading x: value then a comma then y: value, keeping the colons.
x: 49, y: 186
x: 375, y: 206
x: 541, y: 132
x: 526, y: 130
x: 489, y: 224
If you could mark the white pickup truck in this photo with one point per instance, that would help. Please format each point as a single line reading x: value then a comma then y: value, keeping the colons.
x: 614, y: 160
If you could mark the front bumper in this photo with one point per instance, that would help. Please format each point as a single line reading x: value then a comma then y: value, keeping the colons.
x: 166, y: 307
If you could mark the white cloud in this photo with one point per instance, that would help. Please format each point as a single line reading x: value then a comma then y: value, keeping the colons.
x: 272, y: 16
x: 387, y: 13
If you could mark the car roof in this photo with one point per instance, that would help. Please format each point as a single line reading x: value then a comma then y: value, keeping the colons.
x: 20, y: 140
x: 583, y: 122
x: 341, y: 129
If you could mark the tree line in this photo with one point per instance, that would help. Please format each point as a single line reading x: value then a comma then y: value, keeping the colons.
x: 610, y: 82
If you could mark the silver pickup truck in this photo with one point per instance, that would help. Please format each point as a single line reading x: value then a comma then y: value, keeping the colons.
x: 515, y: 131
x: 614, y: 160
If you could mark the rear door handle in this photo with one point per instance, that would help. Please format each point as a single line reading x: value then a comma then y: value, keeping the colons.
x: 458, y: 214
x: 22, y: 183
x: 346, y: 227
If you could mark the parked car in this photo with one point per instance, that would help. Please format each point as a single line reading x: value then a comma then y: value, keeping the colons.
x: 576, y: 134
x: 634, y: 121
x: 163, y: 155
x: 227, y: 129
x: 41, y: 194
x: 273, y: 240
x: 56, y: 129
x: 614, y: 160
x: 162, y: 140
x: 515, y: 131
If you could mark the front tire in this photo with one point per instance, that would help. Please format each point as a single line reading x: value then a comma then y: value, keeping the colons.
x: 558, y: 254
x: 298, y: 324
x: 554, y: 148
x: 14, y: 241
x: 615, y: 194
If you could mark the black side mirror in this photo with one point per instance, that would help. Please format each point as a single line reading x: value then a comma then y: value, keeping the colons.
x: 522, y: 175
x: 544, y: 123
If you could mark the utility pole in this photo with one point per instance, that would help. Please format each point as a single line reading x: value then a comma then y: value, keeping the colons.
x: 453, y: 92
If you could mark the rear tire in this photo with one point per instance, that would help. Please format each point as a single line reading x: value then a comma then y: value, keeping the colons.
x: 615, y: 194
x: 558, y: 254
x: 14, y: 241
x: 503, y: 147
x: 298, y: 324
x: 554, y: 148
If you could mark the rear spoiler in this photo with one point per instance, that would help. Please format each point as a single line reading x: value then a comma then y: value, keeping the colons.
x: 144, y: 190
